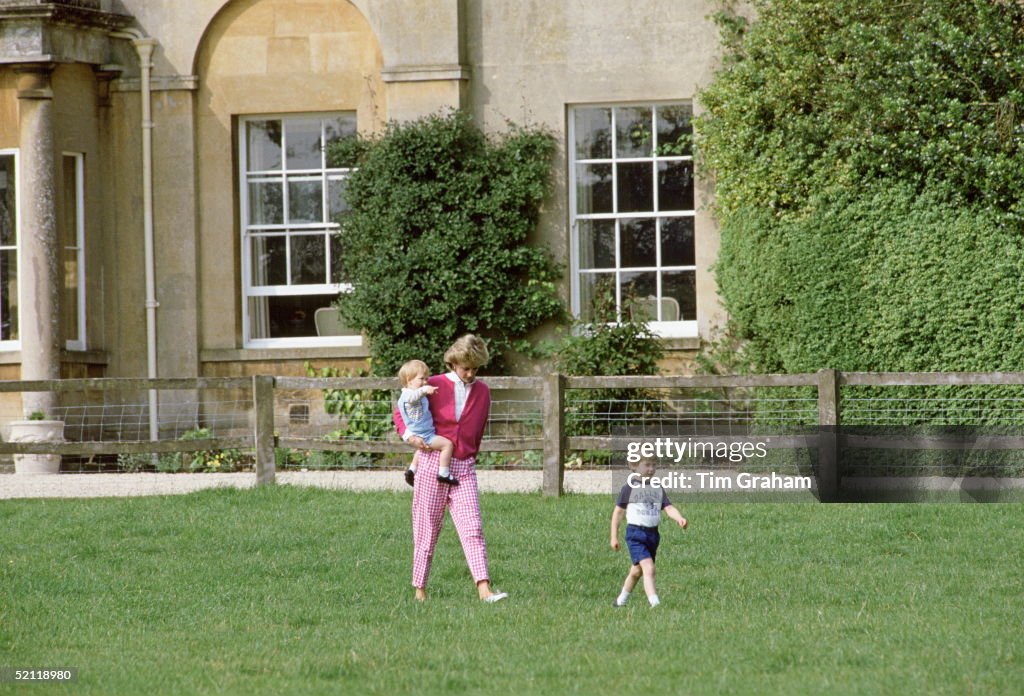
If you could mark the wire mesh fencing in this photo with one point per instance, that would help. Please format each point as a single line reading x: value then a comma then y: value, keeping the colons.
x: 112, y: 425
x: 348, y: 423
x: 838, y: 425
x: 969, y: 428
x: 695, y: 422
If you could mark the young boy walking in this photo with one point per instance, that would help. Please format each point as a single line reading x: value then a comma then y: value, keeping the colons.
x: 641, y: 505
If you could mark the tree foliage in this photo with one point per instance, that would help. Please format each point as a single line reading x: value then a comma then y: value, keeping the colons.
x: 868, y: 159
x: 435, y: 242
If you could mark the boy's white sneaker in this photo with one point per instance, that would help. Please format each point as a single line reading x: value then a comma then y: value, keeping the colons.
x: 496, y: 597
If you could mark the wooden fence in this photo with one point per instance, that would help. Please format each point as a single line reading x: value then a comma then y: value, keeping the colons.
x: 554, y: 443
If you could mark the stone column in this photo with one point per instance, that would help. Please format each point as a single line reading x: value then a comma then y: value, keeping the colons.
x: 39, y: 326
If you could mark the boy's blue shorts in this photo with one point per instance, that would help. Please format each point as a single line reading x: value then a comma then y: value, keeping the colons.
x: 642, y: 542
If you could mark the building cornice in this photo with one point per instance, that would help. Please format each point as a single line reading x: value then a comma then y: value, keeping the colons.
x: 85, y: 14
x: 58, y: 32
x: 424, y: 73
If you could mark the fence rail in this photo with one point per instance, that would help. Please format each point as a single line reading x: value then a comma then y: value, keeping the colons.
x: 553, y: 421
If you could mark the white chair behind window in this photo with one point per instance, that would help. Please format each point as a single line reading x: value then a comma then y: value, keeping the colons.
x: 646, y: 309
x: 328, y: 322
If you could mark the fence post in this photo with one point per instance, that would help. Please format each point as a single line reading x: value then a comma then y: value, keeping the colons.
x: 263, y: 437
x: 554, y: 434
x: 828, y: 443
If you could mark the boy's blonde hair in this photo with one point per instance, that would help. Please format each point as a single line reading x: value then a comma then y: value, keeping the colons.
x: 411, y: 370
x: 468, y: 351
x: 639, y: 464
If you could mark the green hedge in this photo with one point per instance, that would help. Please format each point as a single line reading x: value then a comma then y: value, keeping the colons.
x: 893, y: 281
x: 868, y: 159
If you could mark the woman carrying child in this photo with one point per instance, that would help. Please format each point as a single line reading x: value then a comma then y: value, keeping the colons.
x: 460, y: 407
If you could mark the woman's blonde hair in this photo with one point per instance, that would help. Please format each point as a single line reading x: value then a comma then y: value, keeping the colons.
x: 412, y: 369
x: 468, y: 351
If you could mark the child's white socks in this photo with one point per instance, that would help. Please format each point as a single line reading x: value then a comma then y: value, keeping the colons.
x: 443, y: 472
x: 621, y: 600
x: 653, y: 599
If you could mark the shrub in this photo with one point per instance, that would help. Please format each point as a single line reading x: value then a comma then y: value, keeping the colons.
x: 625, y: 348
x: 364, y: 414
x: 221, y: 460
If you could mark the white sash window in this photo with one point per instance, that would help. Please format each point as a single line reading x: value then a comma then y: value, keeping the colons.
x: 632, y: 214
x: 291, y: 252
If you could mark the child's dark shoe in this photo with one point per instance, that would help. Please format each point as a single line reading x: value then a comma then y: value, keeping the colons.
x: 410, y: 477
x: 449, y: 479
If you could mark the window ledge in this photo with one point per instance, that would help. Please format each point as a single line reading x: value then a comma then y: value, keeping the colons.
x: 670, y: 344
x: 265, y: 354
x: 89, y: 357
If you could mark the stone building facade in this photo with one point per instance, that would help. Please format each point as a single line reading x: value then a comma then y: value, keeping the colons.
x: 166, y: 206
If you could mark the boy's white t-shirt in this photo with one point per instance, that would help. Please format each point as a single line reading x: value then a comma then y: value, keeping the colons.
x: 643, y: 506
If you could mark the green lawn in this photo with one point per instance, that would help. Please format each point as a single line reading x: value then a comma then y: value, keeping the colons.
x: 288, y: 590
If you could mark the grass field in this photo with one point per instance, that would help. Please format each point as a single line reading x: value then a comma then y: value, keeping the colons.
x: 287, y: 590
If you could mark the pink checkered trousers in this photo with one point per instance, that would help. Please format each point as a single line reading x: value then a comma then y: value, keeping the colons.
x: 429, y: 499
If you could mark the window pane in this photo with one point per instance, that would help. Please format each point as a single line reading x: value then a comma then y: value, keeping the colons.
x: 597, y: 297
x: 340, y: 127
x: 593, y: 133
x: 268, y: 261
x: 675, y: 130
x: 309, y: 257
x: 302, y: 140
x: 264, y: 145
x: 265, y: 203
x: 677, y: 242
x: 8, y: 220
x: 635, y: 187
x: 597, y: 244
x: 681, y: 286
x: 675, y: 185
x: 294, y: 316
x: 336, y: 204
x: 638, y: 243
x: 69, y: 245
x: 290, y: 316
x: 639, y: 296
x: 337, y: 258
x: 633, y: 136
x: 305, y: 201
x: 68, y: 229
x: 593, y: 188
x: 69, y: 312
x: 9, y: 295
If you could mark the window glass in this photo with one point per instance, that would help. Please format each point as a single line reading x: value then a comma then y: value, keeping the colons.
x: 597, y: 244
x: 593, y: 133
x: 264, y: 145
x: 302, y: 138
x: 634, y: 135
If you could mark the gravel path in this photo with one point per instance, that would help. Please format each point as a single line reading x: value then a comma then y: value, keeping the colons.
x: 596, y: 482
x: 121, y: 485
